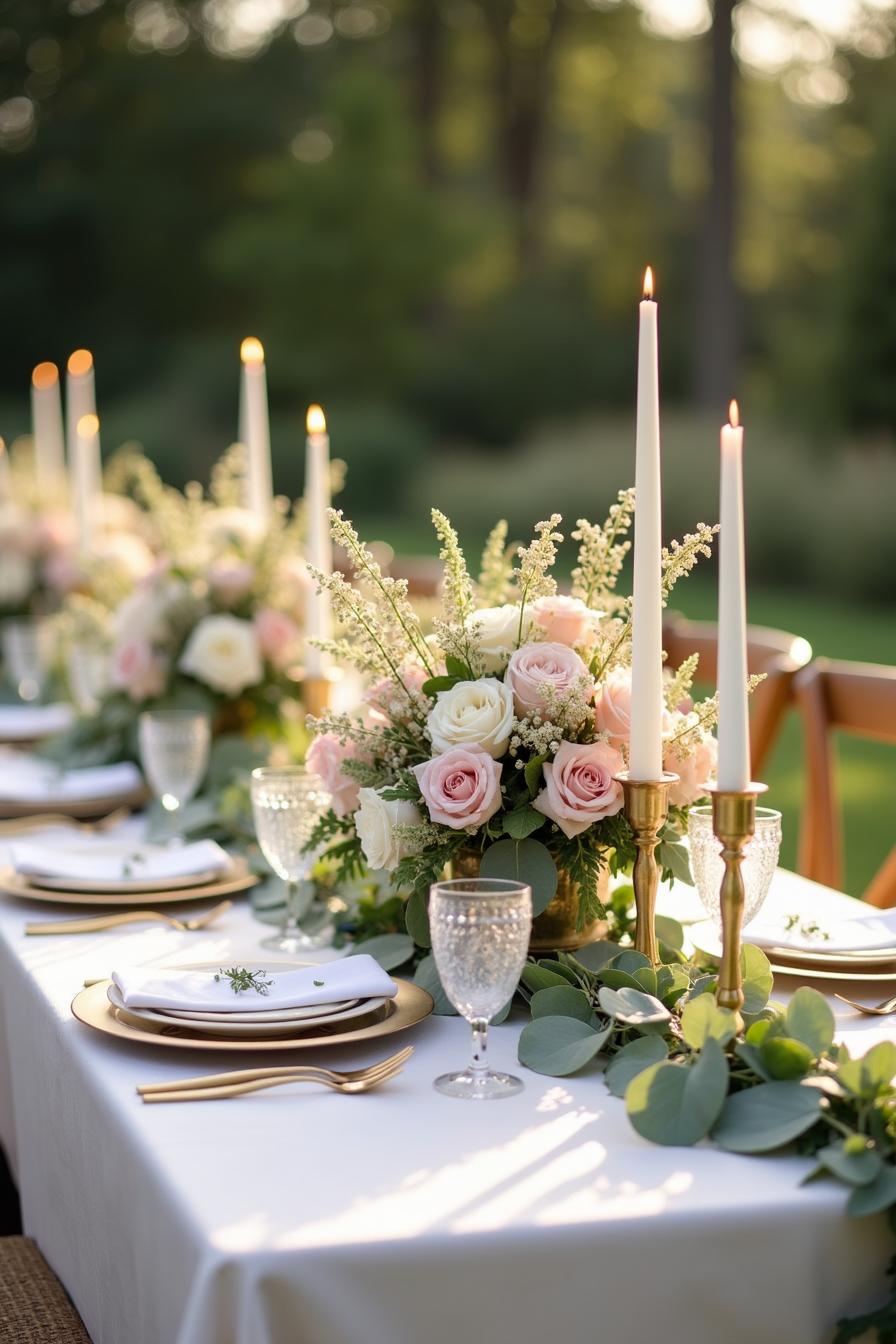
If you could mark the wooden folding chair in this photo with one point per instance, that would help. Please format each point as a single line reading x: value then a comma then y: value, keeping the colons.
x: 777, y: 653
x: 858, y: 698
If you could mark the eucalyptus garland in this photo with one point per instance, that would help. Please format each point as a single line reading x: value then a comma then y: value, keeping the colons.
x: 686, y: 1073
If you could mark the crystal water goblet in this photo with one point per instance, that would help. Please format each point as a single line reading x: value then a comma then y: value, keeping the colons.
x: 287, y: 804
x: 27, y: 653
x: 174, y: 749
x: 480, y: 931
x: 758, y: 868
x: 87, y: 672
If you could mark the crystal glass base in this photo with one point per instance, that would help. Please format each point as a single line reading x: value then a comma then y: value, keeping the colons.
x: 297, y: 941
x: 478, y: 1086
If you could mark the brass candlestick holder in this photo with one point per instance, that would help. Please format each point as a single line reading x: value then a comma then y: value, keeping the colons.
x: 646, y: 805
x: 733, y: 823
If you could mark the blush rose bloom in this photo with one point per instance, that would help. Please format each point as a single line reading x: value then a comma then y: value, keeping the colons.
x: 230, y: 580
x: 223, y: 652
x: 326, y: 757
x: 138, y: 670
x: 579, y: 786
x: 472, y: 714
x: 386, y: 700
x: 566, y: 620
x: 461, y: 788
x: 613, y: 706
x: 534, y: 668
x: 694, y: 771
x: 278, y: 636
x: 375, y: 822
x: 498, y: 633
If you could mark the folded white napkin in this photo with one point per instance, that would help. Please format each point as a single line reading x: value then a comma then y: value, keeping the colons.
x: 24, y: 723
x: 358, y: 977
x: 25, y: 779
x: 106, y: 862
x: 864, y: 932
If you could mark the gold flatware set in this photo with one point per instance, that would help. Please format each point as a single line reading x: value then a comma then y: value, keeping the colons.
x: 42, y: 820
x: 97, y: 923
x: 220, y: 1086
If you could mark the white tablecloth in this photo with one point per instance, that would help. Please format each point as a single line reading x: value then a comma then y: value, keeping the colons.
x: 398, y: 1217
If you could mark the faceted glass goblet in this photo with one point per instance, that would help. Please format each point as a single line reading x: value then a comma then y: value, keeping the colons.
x: 174, y: 748
x: 287, y: 804
x: 27, y: 645
x: 759, y: 864
x: 480, y: 938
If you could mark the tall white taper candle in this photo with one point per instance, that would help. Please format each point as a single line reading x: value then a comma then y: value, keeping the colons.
x: 46, y: 428
x: 80, y: 400
x: 319, y: 546
x: 734, y: 728
x: 84, y: 463
x: 255, y: 425
x: 645, y: 741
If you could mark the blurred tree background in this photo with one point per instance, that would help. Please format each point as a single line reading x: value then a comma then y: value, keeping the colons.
x: 436, y: 215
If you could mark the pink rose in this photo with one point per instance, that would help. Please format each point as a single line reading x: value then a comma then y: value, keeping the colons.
x: 230, y: 580
x: 387, y: 701
x: 278, y: 636
x: 612, y: 707
x: 566, y: 620
x: 139, y: 671
x: 579, y: 786
x: 536, y: 667
x: 62, y: 571
x: 326, y: 757
x: 461, y: 787
x: 694, y: 771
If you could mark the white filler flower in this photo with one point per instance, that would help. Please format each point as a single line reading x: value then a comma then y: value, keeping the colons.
x: 223, y: 652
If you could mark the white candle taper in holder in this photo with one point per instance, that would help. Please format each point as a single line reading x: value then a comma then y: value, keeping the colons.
x: 80, y: 400
x: 46, y: 428
x: 254, y: 425
x: 734, y: 727
x: 85, y: 467
x: 645, y: 741
x: 319, y: 547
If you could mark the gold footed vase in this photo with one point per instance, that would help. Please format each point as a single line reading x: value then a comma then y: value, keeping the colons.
x: 554, y: 930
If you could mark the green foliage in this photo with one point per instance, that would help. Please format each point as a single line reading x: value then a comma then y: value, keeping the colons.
x: 523, y: 861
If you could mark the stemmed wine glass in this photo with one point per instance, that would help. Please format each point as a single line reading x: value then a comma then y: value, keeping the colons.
x: 758, y: 868
x: 174, y: 748
x: 287, y: 804
x: 480, y: 931
x: 27, y: 653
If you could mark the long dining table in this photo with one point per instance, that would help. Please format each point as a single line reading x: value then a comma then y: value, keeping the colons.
x: 300, y: 1216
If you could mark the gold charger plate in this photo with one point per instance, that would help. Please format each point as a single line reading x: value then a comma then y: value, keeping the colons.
x: 79, y: 808
x: 92, y: 1007
x: 237, y: 879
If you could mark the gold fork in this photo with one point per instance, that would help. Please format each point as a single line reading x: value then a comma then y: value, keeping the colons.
x: 219, y: 1086
x: 870, y: 1010
x: 40, y: 820
x: 96, y: 923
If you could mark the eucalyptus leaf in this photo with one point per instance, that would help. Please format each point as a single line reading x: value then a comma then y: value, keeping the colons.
x: 673, y: 857
x: 436, y: 684
x: 810, y: 1019
x: 523, y: 861
x: 389, y: 949
x: 457, y: 669
x: 671, y: 986
x: 595, y: 956
x: 633, y: 1059
x: 619, y: 979
x: 427, y: 977
x: 416, y: 918
x: 502, y: 1014
x: 629, y: 960
x: 855, y: 1168
x: 868, y: 1076
x: 522, y: 822
x: 632, y: 1006
x: 646, y: 979
x: 752, y: 1057
x: 703, y: 1020
x: 559, y: 1046
x: 533, y: 774
x: 880, y: 1194
x: 232, y: 755
x: 561, y: 1001
x: 757, y: 978
x: 669, y: 931
x: 559, y: 968
x: 677, y: 1104
x: 537, y: 977
x: 766, y: 1117
x: 785, y: 1057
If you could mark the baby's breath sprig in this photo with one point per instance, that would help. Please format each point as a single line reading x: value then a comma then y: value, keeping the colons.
x: 533, y: 563
x: 680, y: 557
x: 496, y: 567
x: 602, y: 551
x: 680, y: 683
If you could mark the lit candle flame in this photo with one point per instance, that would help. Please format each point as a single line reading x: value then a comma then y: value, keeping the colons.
x: 45, y: 375
x: 648, y: 283
x: 80, y: 362
x: 252, y: 351
x: 88, y: 427
x: 315, y: 421
x: 733, y: 415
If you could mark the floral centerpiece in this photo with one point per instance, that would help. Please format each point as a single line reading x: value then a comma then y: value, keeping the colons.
x: 493, y: 743
x: 214, y: 625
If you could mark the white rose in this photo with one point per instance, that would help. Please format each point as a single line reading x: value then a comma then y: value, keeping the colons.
x: 223, y: 652
x: 472, y: 713
x: 375, y: 822
x: 16, y: 578
x: 498, y: 633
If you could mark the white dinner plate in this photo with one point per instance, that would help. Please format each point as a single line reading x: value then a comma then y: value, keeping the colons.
x: 705, y: 937
x: 263, y: 1015
x: 258, y: 1030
